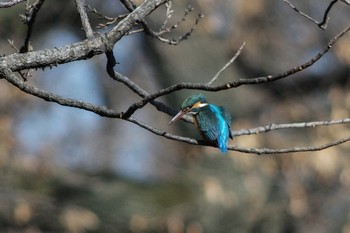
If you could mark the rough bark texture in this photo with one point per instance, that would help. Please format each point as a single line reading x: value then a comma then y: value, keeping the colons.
x: 81, y: 50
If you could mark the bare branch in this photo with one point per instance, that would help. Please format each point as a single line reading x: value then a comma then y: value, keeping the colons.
x: 234, y: 84
x: 110, y: 20
x: 12, y: 44
x: 168, y: 15
x: 104, y: 44
x: 160, y: 106
x: 324, y: 22
x: 81, y: 50
x: 10, y: 3
x: 158, y: 35
x: 268, y: 151
x: 257, y: 151
x: 50, y: 97
x: 29, y: 72
x: 227, y: 64
x: 104, y: 111
x: 268, y: 128
x: 80, y: 4
x: 29, y: 19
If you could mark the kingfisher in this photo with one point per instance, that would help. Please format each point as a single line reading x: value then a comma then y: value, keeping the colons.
x: 213, y: 122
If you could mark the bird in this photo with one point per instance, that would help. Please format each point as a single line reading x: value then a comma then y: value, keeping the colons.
x: 213, y: 122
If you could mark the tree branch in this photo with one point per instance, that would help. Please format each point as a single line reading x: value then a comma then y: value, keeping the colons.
x: 158, y: 35
x: 160, y: 106
x: 346, y: 2
x: 271, y: 127
x: 81, y: 50
x: 324, y: 22
x: 80, y: 4
x: 10, y: 3
x: 268, y: 151
x: 29, y: 19
x: 104, y: 44
x: 106, y: 112
x: 227, y: 64
x: 233, y: 84
x: 257, y: 151
x: 50, y: 97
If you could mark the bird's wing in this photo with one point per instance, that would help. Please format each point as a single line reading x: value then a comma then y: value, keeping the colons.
x: 227, y: 117
x: 207, y: 123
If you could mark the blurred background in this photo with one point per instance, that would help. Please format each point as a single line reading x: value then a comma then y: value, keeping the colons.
x: 68, y: 170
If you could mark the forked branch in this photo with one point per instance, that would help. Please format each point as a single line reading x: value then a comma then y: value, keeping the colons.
x: 323, y: 23
x: 233, y: 84
x: 104, y: 44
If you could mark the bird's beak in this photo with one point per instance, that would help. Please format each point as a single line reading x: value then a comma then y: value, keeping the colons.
x: 177, y: 116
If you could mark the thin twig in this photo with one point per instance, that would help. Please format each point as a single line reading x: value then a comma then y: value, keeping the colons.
x: 168, y: 14
x: 158, y: 35
x: 164, y: 28
x: 268, y: 151
x: 271, y: 127
x: 160, y: 106
x: 26, y: 75
x: 12, y: 44
x: 322, y: 24
x: 110, y: 20
x: 227, y: 64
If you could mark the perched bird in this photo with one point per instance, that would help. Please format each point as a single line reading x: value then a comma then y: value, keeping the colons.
x: 213, y: 122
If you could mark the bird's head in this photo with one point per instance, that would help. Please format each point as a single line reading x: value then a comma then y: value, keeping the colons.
x: 191, y: 106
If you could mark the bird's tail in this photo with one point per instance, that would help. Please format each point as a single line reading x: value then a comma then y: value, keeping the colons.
x: 222, y: 146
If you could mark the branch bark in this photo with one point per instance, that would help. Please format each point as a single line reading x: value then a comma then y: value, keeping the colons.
x: 93, y: 46
x: 10, y: 3
x: 81, y: 50
x: 259, y: 80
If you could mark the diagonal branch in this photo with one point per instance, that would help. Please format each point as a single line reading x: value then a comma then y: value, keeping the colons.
x: 50, y: 97
x: 322, y: 24
x: 80, y: 4
x: 227, y: 64
x: 10, y: 3
x: 160, y: 106
x: 104, y: 111
x: 234, y: 84
x: 29, y: 19
x: 81, y: 50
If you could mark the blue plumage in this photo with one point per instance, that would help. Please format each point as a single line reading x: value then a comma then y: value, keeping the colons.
x: 214, y: 126
x: 213, y: 122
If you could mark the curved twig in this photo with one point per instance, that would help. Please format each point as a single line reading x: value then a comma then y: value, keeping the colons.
x: 322, y: 24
